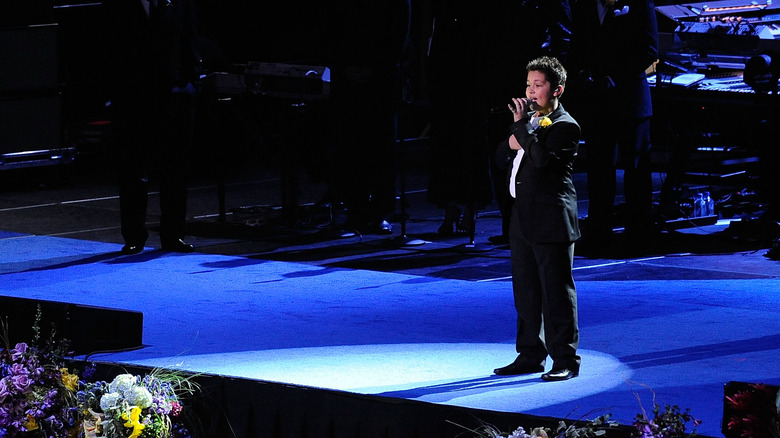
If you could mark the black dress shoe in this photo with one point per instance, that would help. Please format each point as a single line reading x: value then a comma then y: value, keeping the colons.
x: 451, y: 218
x: 177, y: 245
x: 518, y: 368
x: 132, y: 248
x: 559, y: 374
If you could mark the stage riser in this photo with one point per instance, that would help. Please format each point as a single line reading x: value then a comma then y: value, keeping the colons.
x: 244, y: 408
x: 89, y: 329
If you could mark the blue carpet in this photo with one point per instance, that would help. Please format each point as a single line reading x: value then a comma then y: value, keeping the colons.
x: 9, y: 234
x: 433, y: 339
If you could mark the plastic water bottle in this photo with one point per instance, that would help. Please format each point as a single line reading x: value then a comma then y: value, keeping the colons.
x: 703, y: 201
x: 697, y: 202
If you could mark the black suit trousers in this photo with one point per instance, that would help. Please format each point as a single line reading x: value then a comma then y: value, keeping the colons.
x: 607, y: 149
x: 545, y: 298
x: 154, y: 138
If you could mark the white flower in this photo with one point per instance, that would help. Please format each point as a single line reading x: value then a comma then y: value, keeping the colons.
x: 139, y: 396
x: 109, y: 401
x: 122, y: 383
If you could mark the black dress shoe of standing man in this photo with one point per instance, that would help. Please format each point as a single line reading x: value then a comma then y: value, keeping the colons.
x: 518, y: 367
x: 132, y: 248
x: 555, y: 375
x: 177, y: 245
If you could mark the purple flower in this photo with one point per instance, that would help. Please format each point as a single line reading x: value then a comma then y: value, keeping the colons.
x: 5, y: 417
x: 645, y: 431
x: 89, y: 371
x: 55, y: 422
x: 36, y: 371
x: 19, y: 369
x: 19, y: 351
x: 22, y: 382
x: 35, y: 412
x: 4, y: 390
x: 50, y: 400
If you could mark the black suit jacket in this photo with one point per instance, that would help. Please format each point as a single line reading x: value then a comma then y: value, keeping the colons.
x: 147, y: 55
x: 546, y: 200
x: 608, y: 61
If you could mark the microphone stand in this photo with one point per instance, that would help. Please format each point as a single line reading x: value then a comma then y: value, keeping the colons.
x: 472, y: 246
x: 400, y: 144
x: 403, y: 239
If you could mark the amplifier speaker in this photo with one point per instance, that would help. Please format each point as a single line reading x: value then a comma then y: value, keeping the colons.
x: 30, y: 124
x: 89, y: 329
x: 22, y: 71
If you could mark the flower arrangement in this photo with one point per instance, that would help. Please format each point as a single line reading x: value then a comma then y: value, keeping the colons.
x: 755, y: 411
x: 37, y: 392
x: 587, y: 429
x: 41, y: 397
x: 133, y: 406
x: 669, y: 423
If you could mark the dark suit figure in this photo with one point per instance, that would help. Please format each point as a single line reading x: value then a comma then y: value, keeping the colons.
x: 545, y: 26
x: 613, y: 43
x: 152, y: 64
x: 365, y: 41
x: 543, y: 225
x: 460, y: 154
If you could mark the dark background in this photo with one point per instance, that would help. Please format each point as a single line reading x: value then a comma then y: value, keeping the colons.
x: 64, y: 62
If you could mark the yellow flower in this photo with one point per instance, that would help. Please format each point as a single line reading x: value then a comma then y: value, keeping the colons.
x: 71, y: 381
x: 545, y: 122
x: 30, y: 424
x: 132, y: 420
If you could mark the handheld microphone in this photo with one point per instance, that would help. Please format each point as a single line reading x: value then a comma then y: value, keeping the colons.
x: 529, y: 104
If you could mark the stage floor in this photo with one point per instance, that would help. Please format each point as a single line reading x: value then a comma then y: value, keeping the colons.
x: 370, y: 315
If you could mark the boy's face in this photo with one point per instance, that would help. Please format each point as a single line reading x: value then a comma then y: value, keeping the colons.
x: 540, y: 91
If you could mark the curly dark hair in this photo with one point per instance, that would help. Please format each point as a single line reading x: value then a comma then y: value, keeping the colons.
x: 552, y: 68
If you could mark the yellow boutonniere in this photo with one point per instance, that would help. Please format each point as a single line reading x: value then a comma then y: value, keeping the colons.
x: 545, y: 122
